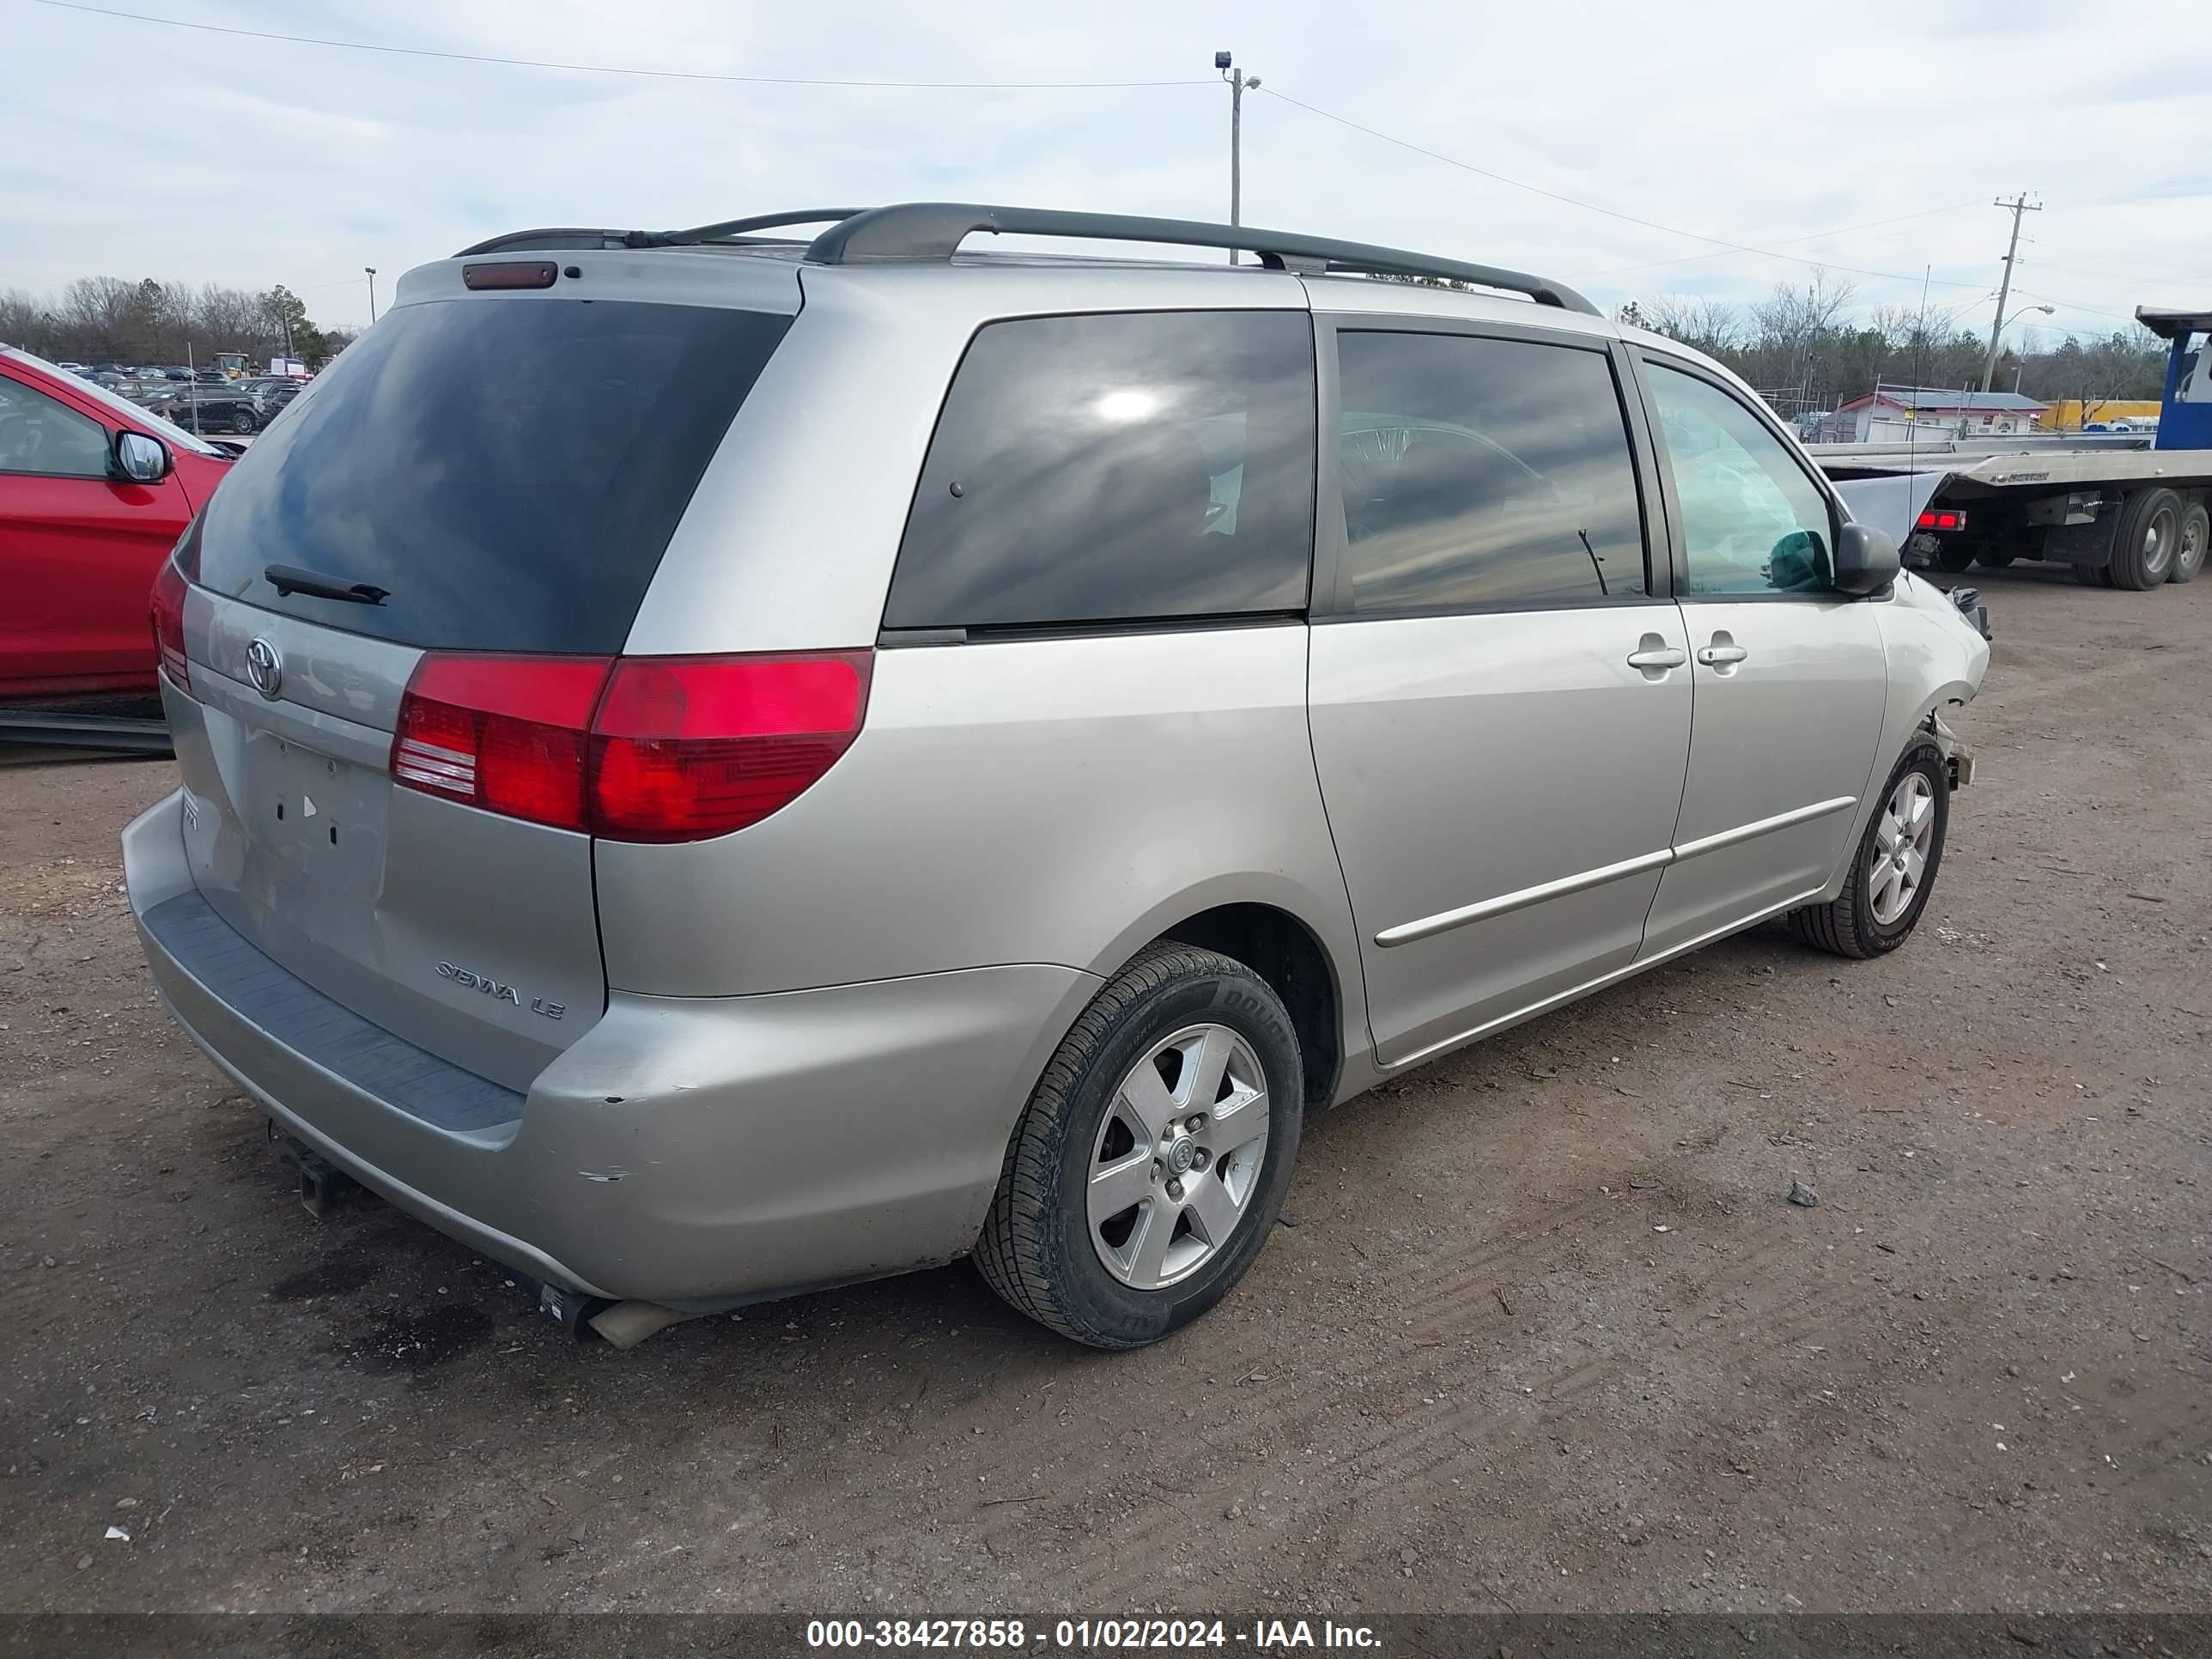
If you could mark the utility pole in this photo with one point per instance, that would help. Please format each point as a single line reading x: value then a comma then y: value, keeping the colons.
x: 1238, y: 80
x: 371, y: 270
x: 2018, y: 206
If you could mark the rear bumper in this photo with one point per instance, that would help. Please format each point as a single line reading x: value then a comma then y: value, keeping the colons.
x: 694, y: 1151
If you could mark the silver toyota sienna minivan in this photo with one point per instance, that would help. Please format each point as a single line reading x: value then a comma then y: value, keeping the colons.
x: 715, y: 764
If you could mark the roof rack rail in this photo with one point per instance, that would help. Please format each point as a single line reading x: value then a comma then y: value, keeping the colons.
x: 740, y: 227
x: 920, y: 231
x: 567, y: 237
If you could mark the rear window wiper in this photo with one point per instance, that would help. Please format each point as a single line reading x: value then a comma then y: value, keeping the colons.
x: 288, y: 579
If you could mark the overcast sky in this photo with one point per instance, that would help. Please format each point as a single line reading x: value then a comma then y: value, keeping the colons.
x: 132, y: 149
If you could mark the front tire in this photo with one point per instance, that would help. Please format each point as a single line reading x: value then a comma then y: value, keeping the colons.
x: 1892, y: 868
x: 1148, y: 1168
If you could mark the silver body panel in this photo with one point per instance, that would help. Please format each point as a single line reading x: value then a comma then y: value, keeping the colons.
x: 793, y: 1055
x: 299, y: 841
x: 1060, y: 800
x: 1783, y: 745
x: 1468, y: 759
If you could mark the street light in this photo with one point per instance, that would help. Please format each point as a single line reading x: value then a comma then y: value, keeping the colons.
x: 2018, y: 367
x: 371, y: 270
x: 1238, y: 80
x: 1965, y: 416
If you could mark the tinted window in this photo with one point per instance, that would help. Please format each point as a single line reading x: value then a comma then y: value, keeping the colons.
x: 38, y: 434
x: 1751, y: 521
x: 1094, y: 469
x: 1485, y: 472
x: 510, y: 469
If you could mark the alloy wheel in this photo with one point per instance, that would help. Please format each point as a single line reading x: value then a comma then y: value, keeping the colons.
x: 1897, y: 865
x: 1178, y: 1157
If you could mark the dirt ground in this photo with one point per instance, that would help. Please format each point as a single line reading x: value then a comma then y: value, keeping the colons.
x: 1539, y: 1331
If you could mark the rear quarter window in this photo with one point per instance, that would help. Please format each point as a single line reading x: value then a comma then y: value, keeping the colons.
x: 1141, y: 466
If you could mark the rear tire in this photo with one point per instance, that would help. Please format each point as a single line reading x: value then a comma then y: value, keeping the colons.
x: 241, y: 423
x: 2189, y: 552
x: 1991, y: 559
x: 2092, y: 576
x: 1134, y: 1073
x: 1954, y: 555
x: 2144, y: 544
x: 1893, y: 866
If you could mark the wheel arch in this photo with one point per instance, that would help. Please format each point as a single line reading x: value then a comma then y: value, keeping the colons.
x: 1290, y: 938
x: 1899, y: 735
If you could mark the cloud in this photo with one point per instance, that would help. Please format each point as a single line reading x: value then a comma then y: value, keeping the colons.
x: 137, y: 149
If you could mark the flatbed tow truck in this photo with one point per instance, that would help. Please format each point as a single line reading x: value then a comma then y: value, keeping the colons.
x: 2126, y: 510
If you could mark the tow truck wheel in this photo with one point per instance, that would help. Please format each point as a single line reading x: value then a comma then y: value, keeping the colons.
x: 1954, y: 556
x: 2148, y: 535
x: 2189, y: 552
x: 1991, y: 558
x: 2093, y: 575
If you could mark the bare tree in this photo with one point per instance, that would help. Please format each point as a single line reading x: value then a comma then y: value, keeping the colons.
x: 1792, y: 316
x: 23, y: 320
x: 1713, y: 326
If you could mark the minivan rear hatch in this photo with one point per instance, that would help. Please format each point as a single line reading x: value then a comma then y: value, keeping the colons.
x: 483, y: 485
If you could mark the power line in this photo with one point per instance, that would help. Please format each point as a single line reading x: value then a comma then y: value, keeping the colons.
x: 2111, y: 270
x: 1787, y: 241
x: 2075, y: 305
x: 1588, y: 207
x: 608, y: 69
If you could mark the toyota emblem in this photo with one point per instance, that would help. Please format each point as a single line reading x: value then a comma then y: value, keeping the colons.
x: 264, y: 668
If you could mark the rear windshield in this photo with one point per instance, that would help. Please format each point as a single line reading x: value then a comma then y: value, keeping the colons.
x: 509, y: 470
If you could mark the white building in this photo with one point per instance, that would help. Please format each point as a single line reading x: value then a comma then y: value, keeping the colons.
x: 1896, y: 414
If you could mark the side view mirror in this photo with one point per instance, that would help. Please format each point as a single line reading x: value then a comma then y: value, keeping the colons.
x: 140, y: 459
x: 1866, y: 560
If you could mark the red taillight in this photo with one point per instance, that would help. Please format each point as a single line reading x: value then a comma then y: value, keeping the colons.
x: 686, y: 747
x: 170, y: 590
x: 508, y: 734
x: 653, y: 749
x: 1942, y: 518
x: 510, y: 273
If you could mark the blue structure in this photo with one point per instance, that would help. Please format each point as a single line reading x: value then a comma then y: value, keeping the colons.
x: 2185, y: 420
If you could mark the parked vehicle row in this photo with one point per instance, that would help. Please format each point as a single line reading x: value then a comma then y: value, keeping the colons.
x: 242, y: 407
x: 111, y: 374
x: 711, y: 767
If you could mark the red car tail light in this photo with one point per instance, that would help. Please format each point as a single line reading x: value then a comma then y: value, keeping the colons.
x: 647, y: 748
x: 688, y: 747
x: 510, y: 273
x: 1942, y: 518
x: 508, y: 734
x: 168, y: 607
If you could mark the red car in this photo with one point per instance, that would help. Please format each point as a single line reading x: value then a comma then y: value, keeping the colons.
x: 93, y: 492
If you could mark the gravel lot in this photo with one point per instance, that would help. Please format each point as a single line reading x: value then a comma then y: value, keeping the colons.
x: 1539, y: 1331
